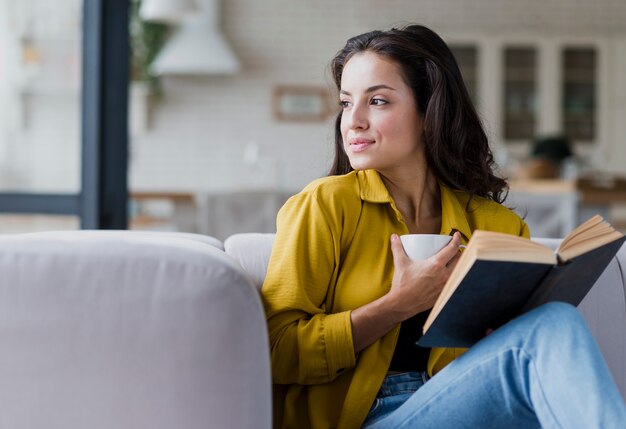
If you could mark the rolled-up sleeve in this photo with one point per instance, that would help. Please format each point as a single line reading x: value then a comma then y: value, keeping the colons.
x: 308, y: 345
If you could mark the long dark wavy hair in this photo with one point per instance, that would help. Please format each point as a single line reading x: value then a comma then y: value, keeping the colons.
x: 456, y: 145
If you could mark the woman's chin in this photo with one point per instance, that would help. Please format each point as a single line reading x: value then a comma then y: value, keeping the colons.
x: 360, y: 164
x: 360, y: 167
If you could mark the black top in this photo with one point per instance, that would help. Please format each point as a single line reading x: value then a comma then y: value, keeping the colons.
x: 408, y: 356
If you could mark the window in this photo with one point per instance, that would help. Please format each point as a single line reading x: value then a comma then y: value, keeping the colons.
x: 62, y: 136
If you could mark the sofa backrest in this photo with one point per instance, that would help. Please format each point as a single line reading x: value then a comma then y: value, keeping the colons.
x: 124, y: 234
x: 122, y: 330
x: 604, y: 307
x: 252, y: 251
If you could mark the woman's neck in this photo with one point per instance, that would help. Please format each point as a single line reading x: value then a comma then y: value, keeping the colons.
x: 416, y: 194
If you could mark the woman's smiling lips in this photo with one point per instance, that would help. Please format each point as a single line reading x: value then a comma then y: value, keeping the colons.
x: 360, y: 144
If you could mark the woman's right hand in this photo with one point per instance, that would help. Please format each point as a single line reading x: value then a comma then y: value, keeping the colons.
x: 416, y: 284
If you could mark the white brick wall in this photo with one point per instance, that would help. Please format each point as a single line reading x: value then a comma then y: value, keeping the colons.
x: 202, y: 125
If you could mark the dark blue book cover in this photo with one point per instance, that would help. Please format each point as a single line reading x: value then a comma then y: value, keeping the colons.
x: 494, y: 292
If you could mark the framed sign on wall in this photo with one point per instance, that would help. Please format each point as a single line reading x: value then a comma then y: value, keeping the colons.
x: 301, y: 103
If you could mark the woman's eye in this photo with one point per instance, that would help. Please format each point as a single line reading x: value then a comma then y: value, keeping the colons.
x: 344, y: 103
x: 378, y: 101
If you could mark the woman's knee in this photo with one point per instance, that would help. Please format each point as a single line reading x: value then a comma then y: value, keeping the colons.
x: 560, y: 309
x: 556, y: 315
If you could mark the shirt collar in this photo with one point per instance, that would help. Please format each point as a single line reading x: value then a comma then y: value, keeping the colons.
x: 372, y: 187
x: 453, y: 213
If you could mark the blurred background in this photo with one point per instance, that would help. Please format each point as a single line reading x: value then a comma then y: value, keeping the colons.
x: 206, y: 115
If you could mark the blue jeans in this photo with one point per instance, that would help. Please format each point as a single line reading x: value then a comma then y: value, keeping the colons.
x: 542, y: 369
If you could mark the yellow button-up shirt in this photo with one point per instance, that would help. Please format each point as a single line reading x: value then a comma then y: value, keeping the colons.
x: 331, y: 255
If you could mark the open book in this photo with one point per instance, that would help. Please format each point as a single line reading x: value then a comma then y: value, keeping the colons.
x: 501, y: 276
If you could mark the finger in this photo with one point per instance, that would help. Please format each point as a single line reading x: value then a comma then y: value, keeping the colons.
x: 450, y: 250
x: 397, y: 250
x: 455, y: 259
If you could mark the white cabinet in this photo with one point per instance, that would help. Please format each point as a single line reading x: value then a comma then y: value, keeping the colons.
x: 530, y: 86
x: 537, y: 85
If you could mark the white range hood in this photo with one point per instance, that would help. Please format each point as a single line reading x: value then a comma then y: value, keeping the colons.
x: 197, y: 46
x: 166, y: 11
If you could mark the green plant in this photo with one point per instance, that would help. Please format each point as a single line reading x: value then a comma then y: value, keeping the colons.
x: 146, y: 40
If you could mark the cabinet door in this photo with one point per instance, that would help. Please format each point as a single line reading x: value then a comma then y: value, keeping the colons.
x: 520, y: 93
x: 467, y: 59
x: 579, y: 93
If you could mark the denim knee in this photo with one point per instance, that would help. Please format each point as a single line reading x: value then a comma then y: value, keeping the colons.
x: 560, y: 310
x: 559, y: 315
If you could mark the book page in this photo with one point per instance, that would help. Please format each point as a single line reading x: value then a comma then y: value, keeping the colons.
x: 496, y: 246
x: 590, y: 235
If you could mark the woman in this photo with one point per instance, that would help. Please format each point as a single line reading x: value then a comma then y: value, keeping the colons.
x: 344, y: 303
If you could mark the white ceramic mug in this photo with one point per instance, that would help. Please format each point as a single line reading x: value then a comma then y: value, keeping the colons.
x: 423, y: 246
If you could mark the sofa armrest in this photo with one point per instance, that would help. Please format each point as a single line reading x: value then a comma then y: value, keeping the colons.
x: 604, y: 310
x: 110, y: 329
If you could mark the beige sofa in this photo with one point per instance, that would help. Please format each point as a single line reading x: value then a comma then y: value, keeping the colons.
x: 122, y: 329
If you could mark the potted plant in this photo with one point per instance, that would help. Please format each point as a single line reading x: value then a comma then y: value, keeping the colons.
x: 146, y: 39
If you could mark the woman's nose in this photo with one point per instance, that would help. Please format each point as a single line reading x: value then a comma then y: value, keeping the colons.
x: 357, y: 117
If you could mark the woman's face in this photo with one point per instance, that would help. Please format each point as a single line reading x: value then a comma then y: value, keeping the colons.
x: 380, y: 125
